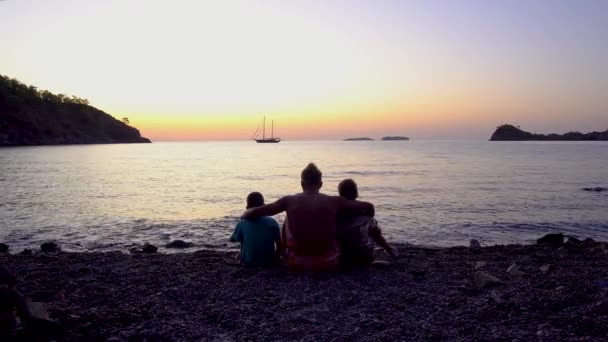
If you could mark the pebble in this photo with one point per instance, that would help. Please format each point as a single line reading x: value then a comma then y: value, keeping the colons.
x: 26, y: 252
x: 515, y: 271
x: 50, y: 247
x: 483, y: 280
x: 179, y: 244
x: 599, y: 248
x: 551, y: 239
x: 148, y: 248
x: 480, y: 264
x: 545, y: 268
x: 474, y: 244
x: 381, y: 263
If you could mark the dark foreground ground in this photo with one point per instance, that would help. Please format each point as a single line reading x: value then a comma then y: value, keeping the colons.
x: 427, y: 295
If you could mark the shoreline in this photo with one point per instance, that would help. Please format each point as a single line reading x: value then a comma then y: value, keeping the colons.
x: 427, y: 294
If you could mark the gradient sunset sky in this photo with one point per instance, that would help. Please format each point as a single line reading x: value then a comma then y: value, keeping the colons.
x: 210, y: 70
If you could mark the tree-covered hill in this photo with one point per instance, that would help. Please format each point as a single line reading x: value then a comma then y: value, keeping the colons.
x: 29, y: 116
x: 513, y: 133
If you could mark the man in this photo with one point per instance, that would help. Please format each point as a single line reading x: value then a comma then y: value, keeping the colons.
x: 310, y: 229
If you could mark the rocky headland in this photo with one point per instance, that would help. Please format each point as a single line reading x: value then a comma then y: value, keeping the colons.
x: 513, y: 133
x: 359, y: 139
x: 395, y: 138
x: 29, y: 116
x: 550, y: 291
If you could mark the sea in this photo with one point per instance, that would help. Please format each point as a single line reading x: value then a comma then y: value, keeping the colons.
x: 430, y: 193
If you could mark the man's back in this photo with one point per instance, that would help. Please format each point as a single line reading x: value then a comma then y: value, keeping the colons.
x: 312, y: 223
x: 258, y: 238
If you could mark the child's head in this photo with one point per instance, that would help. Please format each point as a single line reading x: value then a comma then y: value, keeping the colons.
x: 255, y: 199
x: 348, y: 189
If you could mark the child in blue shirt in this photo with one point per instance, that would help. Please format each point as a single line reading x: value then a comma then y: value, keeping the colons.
x: 260, y: 238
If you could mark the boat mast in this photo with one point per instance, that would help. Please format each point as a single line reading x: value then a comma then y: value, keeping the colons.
x: 272, y: 130
x: 264, y: 130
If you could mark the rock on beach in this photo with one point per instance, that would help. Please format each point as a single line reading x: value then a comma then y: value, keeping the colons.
x: 179, y: 244
x: 50, y: 247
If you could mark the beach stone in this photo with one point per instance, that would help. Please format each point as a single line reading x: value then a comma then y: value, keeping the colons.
x: 417, y: 272
x: 601, y: 248
x: 484, y: 280
x: 480, y: 264
x: 545, y: 268
x: 551, y: 239
x: 4, y: 248
x: 573, y: 240
x: 135, y: 250
x: 596, y: 189
x: 474, y: 244
x: 114, y: 339
x: 148, y: 248
x: 50, y: 247
x: 381, y: 263
x: 515, y: 271
x: 26, y: 252
x: 179, y: 244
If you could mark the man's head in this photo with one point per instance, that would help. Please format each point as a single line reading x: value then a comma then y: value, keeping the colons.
x: 311, y: 177
x: 255, y: 199
x: 348, y: 189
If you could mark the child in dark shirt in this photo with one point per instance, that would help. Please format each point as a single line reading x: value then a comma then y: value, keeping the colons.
x: 358, y: 234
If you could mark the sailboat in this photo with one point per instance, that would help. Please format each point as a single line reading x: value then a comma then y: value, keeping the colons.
x: 272, y: 139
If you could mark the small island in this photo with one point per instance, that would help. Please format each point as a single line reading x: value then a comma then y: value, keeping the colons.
x: 359, y: 139
x: 29, y: 117
x: 513, y: 133
x: 395, y: 138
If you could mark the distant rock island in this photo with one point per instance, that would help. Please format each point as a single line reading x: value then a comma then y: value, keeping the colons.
x: 359, y: 139
x: 513, y: 133
x: 29, y: 116
x: 395, y: 138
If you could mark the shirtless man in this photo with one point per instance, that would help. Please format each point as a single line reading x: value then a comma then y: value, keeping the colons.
x: 310, y: 229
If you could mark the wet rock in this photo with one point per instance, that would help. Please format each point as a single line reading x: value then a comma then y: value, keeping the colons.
x: 551, y: 239
x: 496, y: 296
x: 3, y: 248
x: 148, y: 248
x: 515, y: 271
x: 485, y: 280
x: 135, y: 250
x: 596, y: 189
x: 588, y: 240
x: 601, y: 248
x: 545, y: 268
x: 573, y: 240
x: 474, y: 244
x: 179, y: 244
x: 50, y: 247
x: 480, y: 264
x: 26, y: 252
x: 417, y: 273
x: 381, y: 263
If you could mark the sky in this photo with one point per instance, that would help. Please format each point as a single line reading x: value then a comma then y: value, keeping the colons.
x: 211, y: 70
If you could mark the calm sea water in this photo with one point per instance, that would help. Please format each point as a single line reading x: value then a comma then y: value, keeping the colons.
x: 439, y: 193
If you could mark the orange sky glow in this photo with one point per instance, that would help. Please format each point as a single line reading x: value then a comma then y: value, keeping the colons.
x: 192, y: 70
